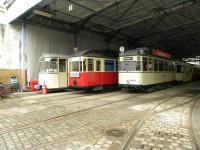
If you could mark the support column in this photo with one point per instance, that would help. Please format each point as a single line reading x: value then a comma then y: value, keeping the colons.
x: 23, y: 54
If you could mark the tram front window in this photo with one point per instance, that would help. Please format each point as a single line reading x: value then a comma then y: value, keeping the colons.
x: 75, y: 66
x: 78, y: 66
x: 50, y: 65
x: 62, y: 65
x: 129, y: 66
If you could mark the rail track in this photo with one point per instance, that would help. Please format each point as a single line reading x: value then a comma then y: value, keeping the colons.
x: 49, y: 119
x: 42, y: 100
x: 68, y: 114
x: 151, y: 113
x: 192, y: 132
x: 24, y: 125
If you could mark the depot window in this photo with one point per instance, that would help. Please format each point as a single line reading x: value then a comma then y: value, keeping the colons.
x: 109, y: 65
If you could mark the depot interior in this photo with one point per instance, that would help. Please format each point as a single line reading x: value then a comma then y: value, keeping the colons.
x: 30, y: 28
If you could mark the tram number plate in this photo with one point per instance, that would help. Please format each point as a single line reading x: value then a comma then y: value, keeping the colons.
x: 128, y: 58
x: 74, y: 74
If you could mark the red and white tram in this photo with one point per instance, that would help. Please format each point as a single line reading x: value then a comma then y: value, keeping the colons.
x: 93, y: 69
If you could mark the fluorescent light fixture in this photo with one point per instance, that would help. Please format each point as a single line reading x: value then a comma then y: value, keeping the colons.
x: 42, y: 13
x: 70, y: 7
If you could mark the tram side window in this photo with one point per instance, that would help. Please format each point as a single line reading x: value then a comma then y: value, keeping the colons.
x: 70, y: 66
x: 98, y: 65
x: 150, y: 65
x: 42, y: 66
x: 155, y: 65
x: 183, y: 68
x: 116, y: 66
x: 49, y: 66
x: 166, y: 66
x: 178, y: 68
x: 161, y: 65
x: 170, y: 66
x: 84, y: 65
x: 90, y: 65
x: 109, y: 65
x: 130, y: 66
x: 138, y: 68
x: 80, y: 66
x: 144, y: 64
x: 173, y: 67
x: 62, y: 65
x: 53, y: 66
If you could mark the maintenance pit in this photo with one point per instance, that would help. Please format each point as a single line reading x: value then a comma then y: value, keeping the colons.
x: 165, y: 119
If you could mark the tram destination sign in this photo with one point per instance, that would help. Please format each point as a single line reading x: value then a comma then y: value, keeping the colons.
x: 128, y: 58
x: 161, y: 53
x: 74, y: 74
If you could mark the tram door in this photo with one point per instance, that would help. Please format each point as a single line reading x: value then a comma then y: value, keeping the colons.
x: 98, y: 70
x: 63, y: 73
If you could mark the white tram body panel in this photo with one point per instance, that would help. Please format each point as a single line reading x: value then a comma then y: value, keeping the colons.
x: 51, y: 80
x: 53, y: 71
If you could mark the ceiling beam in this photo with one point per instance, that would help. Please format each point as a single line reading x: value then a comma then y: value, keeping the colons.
x: 168, y: 29
x: 128, y: 9
x: 95, y: 12
x: 173, y: 9
x: 75, y: 26
x: 88, y: 18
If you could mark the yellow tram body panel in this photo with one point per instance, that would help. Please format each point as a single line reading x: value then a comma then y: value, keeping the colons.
x: 148, y: 78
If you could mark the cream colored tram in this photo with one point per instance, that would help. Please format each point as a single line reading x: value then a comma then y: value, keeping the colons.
x: 144, y: 71
x: 53, y: 71
x: 183, y: 72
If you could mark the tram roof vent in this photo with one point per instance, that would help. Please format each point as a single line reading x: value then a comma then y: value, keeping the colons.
x: 137, y: 51
x: 98, y: 53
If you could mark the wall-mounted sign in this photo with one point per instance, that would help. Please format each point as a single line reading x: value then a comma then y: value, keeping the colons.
x: 161, y: 53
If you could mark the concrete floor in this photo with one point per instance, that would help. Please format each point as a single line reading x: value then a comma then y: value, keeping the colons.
x: 166, y: 119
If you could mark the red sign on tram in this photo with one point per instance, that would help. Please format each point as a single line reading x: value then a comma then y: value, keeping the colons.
x: 161, y: 53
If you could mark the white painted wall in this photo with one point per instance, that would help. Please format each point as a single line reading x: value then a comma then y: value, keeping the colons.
x: 41, y: 40
x: 38, y: 40
x: 9, y: 46
x: 89, y: 41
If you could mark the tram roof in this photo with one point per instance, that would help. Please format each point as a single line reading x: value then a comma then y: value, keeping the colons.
x: 137, y: 51
x: 98, y: 53
x: 46, y: 55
